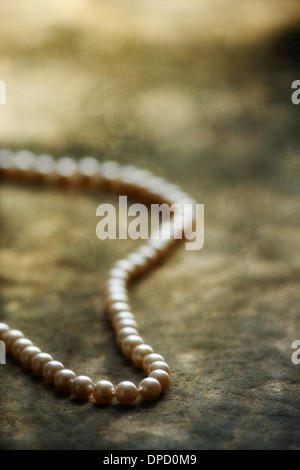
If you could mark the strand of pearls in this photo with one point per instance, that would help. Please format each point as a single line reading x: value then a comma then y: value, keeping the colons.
x: 133, y: 181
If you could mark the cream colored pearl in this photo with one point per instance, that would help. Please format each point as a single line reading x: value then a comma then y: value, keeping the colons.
x: 139, y: 353
x: 4, y: 328
x: 151, y: 358
x: 50, y: 369
x: 27, y: 354
x: 10, y: 337
x: 159, y: 365
x: 116, y: 297
x: 115, y: 284
x: 38, y: 362
x: 103, y: 392
x: 18, y: 347
x: 163, y: 377
x: 129, y: 343
x: 115, y: 287
x: 118, y: 307
x: 126, y: 392
x: 117, y: 273
x: 128, y: 322
x: 124, y: 332
x: 63, y: 380
x: 149, y: 389
x: 124, y: 264
x: 150, y: 253
x: 82, y: 387
x: 122, y: 316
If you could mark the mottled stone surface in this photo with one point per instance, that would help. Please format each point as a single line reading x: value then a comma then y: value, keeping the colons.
x: 201, y: 96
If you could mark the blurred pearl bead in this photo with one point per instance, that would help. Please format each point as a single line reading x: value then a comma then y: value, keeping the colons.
x: 118, y: 307
x: 129, y: 343
x: 117, y: 273
x: 151, y: 358
x: 38, y: 362
x: 27, y: 355
x: 82, y: 387
x: 128, y: 322
x: 124, y: 264
x: 139, y: 353
x: 18, y: 347
x: 163, y: 377
x: 149, y: 389
x: 66, y: 167
x: 116, y: 297
x: 89, y: 166
x: 103, y: 392
x: 50, y: 370
x: 114, y: 289
x: 110, y: 170
x: 122, y: 316
x: 24, y: 160
x: 45, y: 164
x: 126, y: 392
x: 63, y: 380
x: 159, y: 365
x: 114, y: 283
x: 150, y: 253
x: 4, y: 328
x: 10, y: 337
x: 124, y: 332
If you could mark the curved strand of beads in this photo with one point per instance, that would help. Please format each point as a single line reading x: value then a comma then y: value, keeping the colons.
x: 133, y: 181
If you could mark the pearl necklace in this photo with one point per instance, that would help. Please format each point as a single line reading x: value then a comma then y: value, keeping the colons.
x: 133, y: 181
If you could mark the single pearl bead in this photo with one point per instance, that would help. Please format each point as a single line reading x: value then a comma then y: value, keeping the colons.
x: 122, y: 316
x: 117, y: 273
x: 50, y: 369
x: 126, y: 392
x: 129, y: 343
x: 139, y: 263
x: 89, y: 166
x: 150, y: 253
x: 139, y: 353
x: 116, y: 297
x: 63, y: 380
x: 66, y: 167
x: 117, y: 307
x: 124, y: 264
x: 124, y: 332
x: 27, y: 354
x: 115, y: 284
x: 128, y: 322
x: 159, y: 365
x: 18, y: 347
x: 10, y: 337
x: 82, y: 387
x: 4, y: 328
x: 45, y: 164
x: 103, y: 392
x: 114, y: 289
x: 151, y: 358
x: 163, y: 377
x: 38, y: 362
x: 149, y: 389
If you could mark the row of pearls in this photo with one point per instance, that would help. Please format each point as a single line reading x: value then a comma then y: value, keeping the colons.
x: 42, y: 364
x: 24, y: 164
